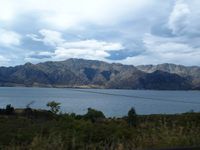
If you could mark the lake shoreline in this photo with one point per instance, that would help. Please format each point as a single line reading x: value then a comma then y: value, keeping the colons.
x: 94, y: 87
x: 112, y: 102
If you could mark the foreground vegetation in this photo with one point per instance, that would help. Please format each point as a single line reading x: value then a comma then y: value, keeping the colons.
x: 41, y: 129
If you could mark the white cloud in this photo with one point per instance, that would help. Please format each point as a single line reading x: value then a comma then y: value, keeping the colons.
x: 164, y: 31
x: 87, y: 49
x: 63, y: 53
x: 94, y: 45
x: 181, y: 48
x: 9, y: 38
x: 62, y: 49
x: 4, y: 61
x: 165, y: 45
x: 184, y: 19
x: 63, y: 14
x: 178, y: 19
x: 7, y: 11
x: 48, y: 37
x: 166, y: 50
x: 189, y: 59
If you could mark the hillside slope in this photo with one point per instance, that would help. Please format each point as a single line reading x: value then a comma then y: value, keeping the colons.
x: 92, y: 73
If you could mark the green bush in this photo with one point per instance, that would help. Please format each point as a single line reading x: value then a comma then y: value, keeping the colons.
x: 132, y: 117
x: 54, y: 106
x: 94, y: 115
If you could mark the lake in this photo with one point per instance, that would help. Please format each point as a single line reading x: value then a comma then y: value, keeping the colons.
x: 111, y: 102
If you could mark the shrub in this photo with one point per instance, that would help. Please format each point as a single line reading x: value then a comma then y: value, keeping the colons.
x: 94, y: 115
x: 54, y: 106
x: 9, y: 109
x: 132, y: 117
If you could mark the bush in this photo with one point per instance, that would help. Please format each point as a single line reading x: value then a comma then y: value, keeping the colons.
x: 94, y: 115
x: 132, y: 117
x: 54, y: 106
x: 9, y: 109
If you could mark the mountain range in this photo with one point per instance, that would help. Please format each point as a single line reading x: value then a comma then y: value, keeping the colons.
x: 98, y: 74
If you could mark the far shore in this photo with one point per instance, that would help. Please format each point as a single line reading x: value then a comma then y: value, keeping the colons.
x: 89, y: 87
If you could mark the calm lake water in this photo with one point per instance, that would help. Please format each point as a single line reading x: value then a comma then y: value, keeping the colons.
x: 111, y: 102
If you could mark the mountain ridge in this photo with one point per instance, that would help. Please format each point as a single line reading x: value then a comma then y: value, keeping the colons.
x: 99, y: 74
x: 192, y: 73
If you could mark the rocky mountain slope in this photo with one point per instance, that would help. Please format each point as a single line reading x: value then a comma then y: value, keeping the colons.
x: 91, y: 73
x: 191, y: 73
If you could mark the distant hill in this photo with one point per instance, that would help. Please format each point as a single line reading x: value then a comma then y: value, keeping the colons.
x: 192, y: 74
x: 99, y: 74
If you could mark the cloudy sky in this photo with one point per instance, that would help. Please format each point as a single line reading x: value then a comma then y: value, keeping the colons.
x: 126, y: 31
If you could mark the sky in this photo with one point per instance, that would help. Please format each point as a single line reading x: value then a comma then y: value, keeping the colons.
x: 135, y: 32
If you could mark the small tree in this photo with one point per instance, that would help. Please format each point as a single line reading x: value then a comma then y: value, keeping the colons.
x: 132, y: 117
x: 94, y: 115
x: 9, y: 109
x: 54, y: 106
